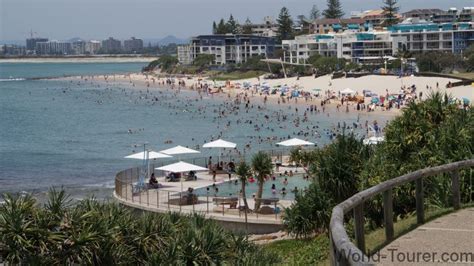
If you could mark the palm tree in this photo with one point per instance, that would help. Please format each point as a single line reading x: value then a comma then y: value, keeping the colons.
x: 262, y: 166
x: 243, y: 171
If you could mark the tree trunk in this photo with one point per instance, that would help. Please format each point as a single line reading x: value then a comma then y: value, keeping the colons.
x: 258, y: 198
x: 244, y: 196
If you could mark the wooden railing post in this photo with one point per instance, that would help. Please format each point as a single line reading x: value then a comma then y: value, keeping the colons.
x: 388, y: 214
x: 420, y: 208
x: 359, y: 226
x: 456, y: 190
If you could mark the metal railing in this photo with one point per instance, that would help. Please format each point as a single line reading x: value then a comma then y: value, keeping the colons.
x: 166, y: 200
x: 343, y: 251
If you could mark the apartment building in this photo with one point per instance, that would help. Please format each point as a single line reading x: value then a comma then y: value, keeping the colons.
x: 466, y: 14
x: 376, y: 18
x: 92, y: 47
x: 360, y: 46
x: 426, y: 14
x: 133, y: 45
x: 53, y: 48
x: 227, y: 48
x: 31, y: 43
x: 78, y: 47
x: 184, y: 54
x: 354, y: 46
x: 111, y: 45
x: 268, y: 28
x: 325, y: 26
x: 446, y: 37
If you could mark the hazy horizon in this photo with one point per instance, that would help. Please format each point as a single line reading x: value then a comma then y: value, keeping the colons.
x: 147, y: 19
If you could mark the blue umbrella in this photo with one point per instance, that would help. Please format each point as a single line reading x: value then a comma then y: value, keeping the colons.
x: 465, y: 101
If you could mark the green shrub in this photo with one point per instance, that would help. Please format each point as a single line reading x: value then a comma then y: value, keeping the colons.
x: 310, y: 213
x: 92, y: 232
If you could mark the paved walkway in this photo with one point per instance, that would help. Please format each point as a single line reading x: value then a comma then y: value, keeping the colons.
x: 448, y: 240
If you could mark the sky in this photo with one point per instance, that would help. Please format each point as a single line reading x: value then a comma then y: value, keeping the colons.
x: 150, y: 19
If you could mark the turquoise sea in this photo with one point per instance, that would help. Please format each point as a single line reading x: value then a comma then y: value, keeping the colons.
x: 58, y: 132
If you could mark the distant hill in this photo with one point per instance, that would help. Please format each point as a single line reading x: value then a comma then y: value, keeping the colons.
x: 172, y: 39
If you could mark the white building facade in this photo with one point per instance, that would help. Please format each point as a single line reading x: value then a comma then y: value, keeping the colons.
x: 361, y: 46
x: 354, y: 46
x: 227, y: 48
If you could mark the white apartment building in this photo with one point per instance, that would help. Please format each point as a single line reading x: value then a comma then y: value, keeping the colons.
x: 354, y: 46
x: 53, y: 48
x: 268, y: 28
x: 184, y: 54
x: 227, y: 48
x: 364, y: 46
x: 92, y: 47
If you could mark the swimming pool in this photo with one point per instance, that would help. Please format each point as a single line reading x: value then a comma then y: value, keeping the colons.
x: 232, y: 188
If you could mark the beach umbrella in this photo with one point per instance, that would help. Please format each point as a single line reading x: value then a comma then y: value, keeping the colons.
x: 178, y: 150
x: 181, y: 167
x: 220, y: 143
x: 151, y: 155
x: 317, y: 90
x: 295, y: 142
x: 375, y: 100
x: 465, y: 101
x: 373, y: 140
x: 146, y: 155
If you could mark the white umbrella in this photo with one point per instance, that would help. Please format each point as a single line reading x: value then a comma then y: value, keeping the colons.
x: 146, y: 156
x: 178, y: 150
x: 373, y: 140
x: 295, y: 142
x: 181, y: 167
x: 220, y: 143
x: 151, y: 155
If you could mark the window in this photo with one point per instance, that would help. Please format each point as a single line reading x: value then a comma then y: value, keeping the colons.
x: 432, y: 36
x: 447, y: 36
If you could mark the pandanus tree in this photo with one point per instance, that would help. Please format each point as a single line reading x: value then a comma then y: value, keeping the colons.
x: 262, y: 167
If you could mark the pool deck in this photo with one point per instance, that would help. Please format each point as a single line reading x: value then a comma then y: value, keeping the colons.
x: 158, y: 200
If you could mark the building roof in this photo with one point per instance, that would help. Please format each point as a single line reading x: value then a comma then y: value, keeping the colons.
x: 338, y: 21
x: 423, y: 11
x: 375, y: 12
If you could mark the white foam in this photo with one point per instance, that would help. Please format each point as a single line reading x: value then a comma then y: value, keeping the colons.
x: 12, y: 79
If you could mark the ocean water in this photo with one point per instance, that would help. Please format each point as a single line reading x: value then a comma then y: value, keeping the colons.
x: 75, y: 133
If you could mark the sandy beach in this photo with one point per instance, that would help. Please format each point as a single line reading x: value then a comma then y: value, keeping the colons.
x: 375, y: 83
x: 92, y: 59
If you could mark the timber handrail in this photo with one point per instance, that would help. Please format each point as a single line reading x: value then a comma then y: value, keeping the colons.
x: 343, y: 251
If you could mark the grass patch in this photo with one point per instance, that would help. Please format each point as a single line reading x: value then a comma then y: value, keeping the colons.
x: 315, y: 251
x: 236, y: 75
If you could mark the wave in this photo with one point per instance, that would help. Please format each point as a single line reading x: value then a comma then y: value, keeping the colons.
x: 12, y: 79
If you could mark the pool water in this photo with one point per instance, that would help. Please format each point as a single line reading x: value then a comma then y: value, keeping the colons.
x: 232, y: 188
